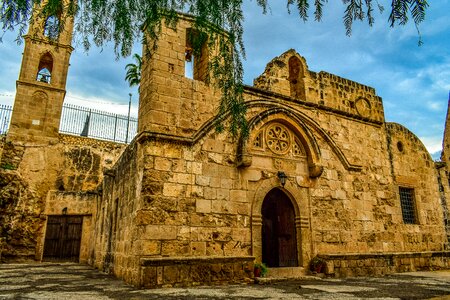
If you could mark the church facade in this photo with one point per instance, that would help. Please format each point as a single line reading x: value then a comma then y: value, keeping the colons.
x: 322, y: 175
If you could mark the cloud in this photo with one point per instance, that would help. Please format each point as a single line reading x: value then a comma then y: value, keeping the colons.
x: 432, y: 143
x: 103, y: 104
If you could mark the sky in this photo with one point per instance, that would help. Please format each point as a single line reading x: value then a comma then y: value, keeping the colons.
x: 412, y: 80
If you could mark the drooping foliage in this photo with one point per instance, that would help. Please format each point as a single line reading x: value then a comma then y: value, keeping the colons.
x: 121, y: 22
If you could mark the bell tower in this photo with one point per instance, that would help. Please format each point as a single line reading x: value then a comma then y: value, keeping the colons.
x: 40, y: 89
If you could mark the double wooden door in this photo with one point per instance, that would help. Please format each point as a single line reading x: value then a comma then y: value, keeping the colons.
x: 63, y: 238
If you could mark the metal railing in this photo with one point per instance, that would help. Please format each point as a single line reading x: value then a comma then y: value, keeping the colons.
x: 86, y: 122
x: 97, y: 124
x: 5, y: 118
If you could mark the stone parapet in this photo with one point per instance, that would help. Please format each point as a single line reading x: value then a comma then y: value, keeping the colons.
x: 191, y: 271
x: 378, y: 264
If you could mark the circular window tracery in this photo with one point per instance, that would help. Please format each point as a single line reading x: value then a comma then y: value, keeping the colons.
x: 278, y: 139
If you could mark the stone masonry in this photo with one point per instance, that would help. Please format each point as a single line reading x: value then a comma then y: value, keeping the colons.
x: 322, y: 174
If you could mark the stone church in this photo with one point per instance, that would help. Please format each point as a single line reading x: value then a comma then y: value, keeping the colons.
x: 322, y: 175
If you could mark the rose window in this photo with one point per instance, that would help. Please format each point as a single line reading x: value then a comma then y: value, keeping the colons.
x: 278, y: 139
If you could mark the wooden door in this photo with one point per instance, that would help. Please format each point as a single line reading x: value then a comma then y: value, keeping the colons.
x: 278, y: 231
x: 63, y: 238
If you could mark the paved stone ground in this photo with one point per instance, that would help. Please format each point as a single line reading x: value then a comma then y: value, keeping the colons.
x: 74, y: 281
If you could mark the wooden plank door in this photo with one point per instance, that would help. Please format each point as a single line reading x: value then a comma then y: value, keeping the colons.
x: 63, y: 238
x: 279, y: 240
x: 286, y: 234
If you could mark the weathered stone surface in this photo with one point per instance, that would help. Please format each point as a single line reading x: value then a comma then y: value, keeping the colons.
x: 319, y: 174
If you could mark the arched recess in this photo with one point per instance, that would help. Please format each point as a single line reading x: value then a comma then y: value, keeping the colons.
x: 296, y: 76
x: 301, y: 132
x: 278, y: 233
x: 45, y: 68
x: 299, y: 199
x: 52, y: 27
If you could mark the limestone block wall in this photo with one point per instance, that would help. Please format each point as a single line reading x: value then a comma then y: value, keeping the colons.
x: 413, y: 167
x: 338, y: 207
x: 193, y: 201
x: 379, y: 264
x: 171, y: 103
x: 325, y: 90
x: 116, y: 248
x: 354, y: 203
x: 32, y: 174
x: 347, y: 204
x: 38, y: 118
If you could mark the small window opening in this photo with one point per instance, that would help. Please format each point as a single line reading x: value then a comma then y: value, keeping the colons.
x: 51, y: 27
x: 44, y: 73
x: 400, y: 147
x: 408, y: 205
x: 196, y: 55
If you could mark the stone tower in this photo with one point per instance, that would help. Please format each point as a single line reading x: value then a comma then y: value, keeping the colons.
x: 41, y: 85
x: 175, y: 97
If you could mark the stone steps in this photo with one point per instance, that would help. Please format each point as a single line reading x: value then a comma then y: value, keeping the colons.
x: 287, y: 272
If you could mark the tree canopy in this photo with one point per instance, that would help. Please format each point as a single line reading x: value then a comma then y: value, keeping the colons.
x: 121, y: 21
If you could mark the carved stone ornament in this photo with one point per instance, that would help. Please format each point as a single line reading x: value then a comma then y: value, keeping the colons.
x: 278, y: 139
x: 363, y: 107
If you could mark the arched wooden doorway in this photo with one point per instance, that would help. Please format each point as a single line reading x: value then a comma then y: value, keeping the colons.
x: 279, y: 242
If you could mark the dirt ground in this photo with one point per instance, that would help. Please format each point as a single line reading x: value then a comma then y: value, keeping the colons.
x: 73, y: 281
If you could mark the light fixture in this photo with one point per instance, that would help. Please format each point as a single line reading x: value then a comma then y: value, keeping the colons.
x: 282, y: 176
x: 64, y: 211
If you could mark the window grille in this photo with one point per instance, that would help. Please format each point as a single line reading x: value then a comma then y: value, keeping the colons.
x: 407, y: 203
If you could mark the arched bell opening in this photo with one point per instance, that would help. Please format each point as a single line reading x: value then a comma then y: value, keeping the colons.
x: 45, y: 68
x: 278, y: 232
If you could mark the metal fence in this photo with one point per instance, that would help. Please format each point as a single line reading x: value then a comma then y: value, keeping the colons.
x: 5, y: 118
x: 86, y: 122
x: 97, y: 124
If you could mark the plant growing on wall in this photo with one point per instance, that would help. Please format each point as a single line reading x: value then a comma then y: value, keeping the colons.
x: 317, y: 265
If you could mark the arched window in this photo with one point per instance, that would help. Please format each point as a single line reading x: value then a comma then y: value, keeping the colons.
x: 44, y: 73
x: 51, y: 27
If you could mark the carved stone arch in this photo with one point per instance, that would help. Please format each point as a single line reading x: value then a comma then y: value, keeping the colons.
x: 302, y: 132
x: 299, y: 198
x: 244, y: 159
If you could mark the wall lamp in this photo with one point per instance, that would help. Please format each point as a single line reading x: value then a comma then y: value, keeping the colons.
x: 64, y: 211
x: 282, y: 176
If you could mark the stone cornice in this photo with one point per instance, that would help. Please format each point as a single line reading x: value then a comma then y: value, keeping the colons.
x: 40, y: 85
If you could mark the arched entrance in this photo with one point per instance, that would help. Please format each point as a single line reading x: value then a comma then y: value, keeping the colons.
x: 279, y: 238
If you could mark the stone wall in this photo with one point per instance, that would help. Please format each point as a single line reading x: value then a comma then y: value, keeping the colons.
x: 38, y: 179
x: 171, y: 103
x: 322, y: 89
x: 182, y: 271
x: 379, y: 264
x: 412, y: 167
x: 355, y: 205
x: 117, y: 248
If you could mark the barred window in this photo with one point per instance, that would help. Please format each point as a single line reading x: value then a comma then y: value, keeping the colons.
x: 408, y: 206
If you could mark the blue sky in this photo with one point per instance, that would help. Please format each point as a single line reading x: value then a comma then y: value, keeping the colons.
x: 413, y: 81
